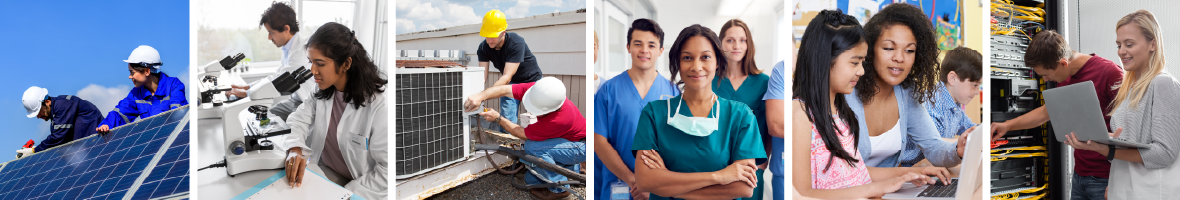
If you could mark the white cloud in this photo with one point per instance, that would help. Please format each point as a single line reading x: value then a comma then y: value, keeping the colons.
x: 520, y: 10
x: 554, y: 3
x: 405, y: 26
x: 415, y: 15
x: 425, y: 11
x: 105, y: 98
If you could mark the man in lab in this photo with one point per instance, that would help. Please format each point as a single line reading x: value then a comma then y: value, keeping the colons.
x: 552, y: 127
x: 508, y: 53
x: 282, y: 29
x: 73, y: 118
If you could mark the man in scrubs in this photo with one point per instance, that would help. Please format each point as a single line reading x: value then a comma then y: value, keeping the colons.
x: 776, y: 125
x: 553, y: 128
x: 508, y: 53
x: 617, y: 105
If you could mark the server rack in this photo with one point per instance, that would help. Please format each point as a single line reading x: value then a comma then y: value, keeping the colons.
x: 1025, y: 164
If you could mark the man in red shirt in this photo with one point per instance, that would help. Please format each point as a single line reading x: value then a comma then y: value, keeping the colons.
x: 1051, y: 57
x: 553, y: 128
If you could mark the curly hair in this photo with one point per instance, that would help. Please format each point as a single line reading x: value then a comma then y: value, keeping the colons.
x: 924, y: 74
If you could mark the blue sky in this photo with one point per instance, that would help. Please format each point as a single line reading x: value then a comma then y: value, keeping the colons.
x: 423, y: 15
x: 77, y: 48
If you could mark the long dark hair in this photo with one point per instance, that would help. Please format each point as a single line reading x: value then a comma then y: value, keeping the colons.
x: 678, y: 45
x: 923, y: 75
x: 340, y: 44
x: 827, y: 36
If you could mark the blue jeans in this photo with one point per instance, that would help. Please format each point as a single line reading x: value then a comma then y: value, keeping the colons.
x: 508, y: 109
x: 1088, y: 187
x: 558, y: 151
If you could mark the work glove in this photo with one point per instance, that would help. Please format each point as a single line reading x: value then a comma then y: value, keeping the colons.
x: 527, y: 119
x: 23, y: 152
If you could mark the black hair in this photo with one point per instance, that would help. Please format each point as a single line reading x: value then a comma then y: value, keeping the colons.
x: 965, y: 62
x: 278, y: 15
x: 685, y: 34
x: 923, y: 75
x: 828, y: 35
x: 144, y: 66
x: 648, y: 25
x: 339, y: 43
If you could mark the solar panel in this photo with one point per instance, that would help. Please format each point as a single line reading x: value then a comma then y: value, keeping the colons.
x: 142, y: 160
x: 429, y: 121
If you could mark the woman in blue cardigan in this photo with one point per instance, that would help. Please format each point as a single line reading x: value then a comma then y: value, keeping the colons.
x: 901, y: 74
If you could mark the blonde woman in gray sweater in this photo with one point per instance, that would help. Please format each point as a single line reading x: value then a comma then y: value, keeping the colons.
x: 1146, y: 110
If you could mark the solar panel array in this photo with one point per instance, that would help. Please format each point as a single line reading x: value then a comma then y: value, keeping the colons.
x: 146, y: 159
x: 429, y: 121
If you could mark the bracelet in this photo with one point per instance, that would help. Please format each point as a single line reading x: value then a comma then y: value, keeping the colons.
x: 1110, y: 154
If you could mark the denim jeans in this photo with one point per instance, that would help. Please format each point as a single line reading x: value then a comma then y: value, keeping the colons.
x: 558, y: 151
x: 1088, y: 187
x: 508, y: 109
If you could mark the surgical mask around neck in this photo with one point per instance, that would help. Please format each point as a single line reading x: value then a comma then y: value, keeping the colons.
x: 697, y: 126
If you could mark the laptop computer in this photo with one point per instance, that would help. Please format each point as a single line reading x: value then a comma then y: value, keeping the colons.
x: 962, y: 187
x: 1075, y: 108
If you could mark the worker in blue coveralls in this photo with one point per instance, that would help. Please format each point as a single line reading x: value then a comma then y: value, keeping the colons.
x: 154, y: 92
x: 73, y: 118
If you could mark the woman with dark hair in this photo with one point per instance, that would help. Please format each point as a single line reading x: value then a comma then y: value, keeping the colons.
x: 824, y: 130
x: 710, y: 145
x: 900, y: 74
x: 743, y: 82
x: 155, y: 92
x: 344, y: 128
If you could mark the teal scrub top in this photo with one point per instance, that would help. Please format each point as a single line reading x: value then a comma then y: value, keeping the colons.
x: 736, y: 138
x: 749, y: 93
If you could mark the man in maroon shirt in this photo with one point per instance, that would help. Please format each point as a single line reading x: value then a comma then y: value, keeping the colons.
x: 553, y: 128
x: 1051, y: 57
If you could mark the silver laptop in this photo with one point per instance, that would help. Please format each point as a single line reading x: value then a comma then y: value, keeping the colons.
x: 1075, y: 108
x: 963, y: 187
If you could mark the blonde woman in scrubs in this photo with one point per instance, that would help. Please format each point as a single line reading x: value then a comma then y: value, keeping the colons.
x: 697, y: 145
x: 743, y: 82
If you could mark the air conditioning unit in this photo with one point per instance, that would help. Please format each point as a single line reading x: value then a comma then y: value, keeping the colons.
x: 432, y: 130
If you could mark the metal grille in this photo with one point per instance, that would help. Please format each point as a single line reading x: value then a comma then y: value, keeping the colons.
x: 429, y: 121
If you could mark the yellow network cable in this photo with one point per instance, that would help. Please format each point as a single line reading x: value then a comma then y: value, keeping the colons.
x: 1026, y: 155
x: 1028, y: 148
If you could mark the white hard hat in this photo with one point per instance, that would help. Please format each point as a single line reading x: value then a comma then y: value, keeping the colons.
x: 545, y: 96
x: 145, y: 55
x: 32, y: 100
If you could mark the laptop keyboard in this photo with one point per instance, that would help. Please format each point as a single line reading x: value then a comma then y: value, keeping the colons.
x: 941, y: 190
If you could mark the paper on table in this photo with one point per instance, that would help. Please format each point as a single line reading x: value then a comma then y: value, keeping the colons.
x: 315, y: 186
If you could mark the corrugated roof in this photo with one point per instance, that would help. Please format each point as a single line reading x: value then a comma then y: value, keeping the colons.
x: 426, y: 64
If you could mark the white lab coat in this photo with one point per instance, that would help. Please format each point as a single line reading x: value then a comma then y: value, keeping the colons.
x: 294, y: 56
x: 369, y: 124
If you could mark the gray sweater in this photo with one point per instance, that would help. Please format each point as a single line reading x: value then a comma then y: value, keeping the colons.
x: 1156, y: 122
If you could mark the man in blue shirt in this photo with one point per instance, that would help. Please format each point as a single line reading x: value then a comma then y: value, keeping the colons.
x: 154, y: 92
x: 618, y: 103
x: 73, y: 118
x: 776, y: 114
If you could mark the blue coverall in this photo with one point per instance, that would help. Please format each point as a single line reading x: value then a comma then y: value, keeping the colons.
x: 73, y: 118
x: 142, y: 103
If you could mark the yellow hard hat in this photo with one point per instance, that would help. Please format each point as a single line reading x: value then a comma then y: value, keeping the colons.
x: 493, y: 23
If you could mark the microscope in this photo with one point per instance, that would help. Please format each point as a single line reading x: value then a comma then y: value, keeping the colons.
x: 247, y: 123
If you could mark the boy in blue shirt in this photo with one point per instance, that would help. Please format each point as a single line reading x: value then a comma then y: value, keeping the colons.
x: 961, y: 74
